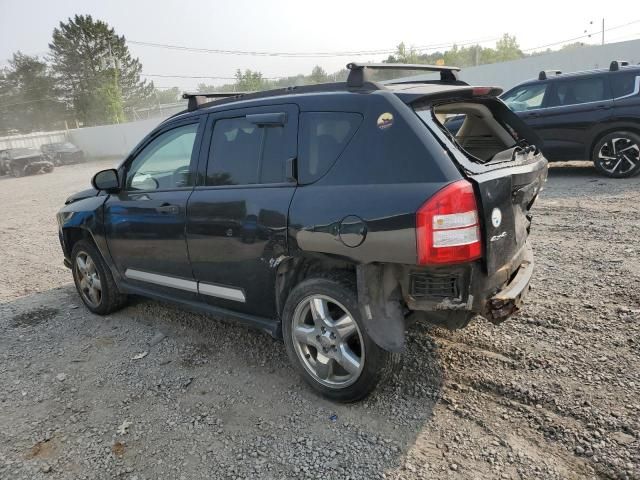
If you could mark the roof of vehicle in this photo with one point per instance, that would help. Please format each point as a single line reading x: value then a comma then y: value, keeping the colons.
x: 551, y: 75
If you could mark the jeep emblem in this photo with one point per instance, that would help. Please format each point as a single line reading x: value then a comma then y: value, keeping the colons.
x: 496, y: 217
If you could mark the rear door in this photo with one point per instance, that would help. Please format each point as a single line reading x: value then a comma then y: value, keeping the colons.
x: 237, y: 215
x: 506, y: 184
x: 572, y: 108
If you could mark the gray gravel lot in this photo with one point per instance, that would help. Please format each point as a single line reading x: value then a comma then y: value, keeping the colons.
x: 552, y: 393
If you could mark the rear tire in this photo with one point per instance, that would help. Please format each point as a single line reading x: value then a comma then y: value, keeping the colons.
x: 617, y: 155
x: 94, y: 281
x: 17, y: 172
x: 326, y: 340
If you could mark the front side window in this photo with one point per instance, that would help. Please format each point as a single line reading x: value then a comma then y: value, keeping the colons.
x: 575, y: 92
x: 323, y: 137
x: 527, y: 97
x: 164, y: 163
x: 244, y: 153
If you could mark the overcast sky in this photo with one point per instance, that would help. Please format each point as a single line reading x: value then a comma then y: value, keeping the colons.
x: 305, y: 26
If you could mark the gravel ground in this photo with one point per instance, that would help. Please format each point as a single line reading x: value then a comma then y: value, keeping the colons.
x: 552, y: 393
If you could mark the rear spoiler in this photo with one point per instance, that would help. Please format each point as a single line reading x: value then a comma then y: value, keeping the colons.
x: 358, y: 72
x: 418, y: 98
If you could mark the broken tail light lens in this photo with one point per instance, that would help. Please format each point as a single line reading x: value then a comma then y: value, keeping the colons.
x: 447, y: 226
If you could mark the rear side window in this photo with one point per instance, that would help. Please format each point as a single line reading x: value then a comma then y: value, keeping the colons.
x: 243, y: 153
x: 323, y: 137
x: 623, y: 84
x: 575, y: 92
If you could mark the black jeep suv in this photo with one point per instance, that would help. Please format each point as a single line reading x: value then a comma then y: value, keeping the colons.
x: 585, y: 115
x: 332, y: 216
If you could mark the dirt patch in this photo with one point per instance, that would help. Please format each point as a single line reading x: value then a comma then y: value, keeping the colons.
x: 42, y: 450
x: 34, y: 317
x: 118, y: 449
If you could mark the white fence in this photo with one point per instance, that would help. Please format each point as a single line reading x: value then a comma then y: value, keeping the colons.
x: 111, y: 140
x: 104, y: 141
x: 34, y: 140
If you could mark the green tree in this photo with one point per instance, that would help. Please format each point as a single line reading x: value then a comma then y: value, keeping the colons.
x: 318, y: 75
x: 250, y: 81
x: 507, y: 48
x: 28, y: 100
x: 95, y: 71
x: 168, y: 95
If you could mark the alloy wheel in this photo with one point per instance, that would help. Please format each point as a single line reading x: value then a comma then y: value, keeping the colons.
x: 619, y: 156
x: 88, y: 279
x: 328, y: 341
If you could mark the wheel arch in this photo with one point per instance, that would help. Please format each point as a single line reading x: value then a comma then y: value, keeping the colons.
x: 293, y: 270
x: 378, y: 292
x: 617, y: 127
x: 72, y: 235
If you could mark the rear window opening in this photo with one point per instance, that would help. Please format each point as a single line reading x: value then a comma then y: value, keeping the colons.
x: 477, y: 132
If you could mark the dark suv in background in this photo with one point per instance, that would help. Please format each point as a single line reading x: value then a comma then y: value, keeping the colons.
x: 585, y: 115
x: 332, y: 216
x: 62, y: 153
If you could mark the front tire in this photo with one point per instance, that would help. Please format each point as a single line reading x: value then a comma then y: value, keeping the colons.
x: 94, y: 281
x: 326, y: 340
x: 617, y: 155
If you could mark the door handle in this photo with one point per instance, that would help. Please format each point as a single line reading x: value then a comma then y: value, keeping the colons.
x: 603, y: 107
x: 170, y: 209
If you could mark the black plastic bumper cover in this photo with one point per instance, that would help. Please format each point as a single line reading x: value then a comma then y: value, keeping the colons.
x: 508, y: 300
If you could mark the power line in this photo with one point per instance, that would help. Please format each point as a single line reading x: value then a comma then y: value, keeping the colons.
x: 580, y: 37
x: 208, y: 77
x: 301, y: 54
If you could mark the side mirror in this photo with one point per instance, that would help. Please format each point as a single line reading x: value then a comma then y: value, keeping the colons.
x: 106, y: 180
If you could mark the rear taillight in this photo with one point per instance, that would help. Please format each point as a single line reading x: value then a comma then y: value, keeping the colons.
x: 447, y: 226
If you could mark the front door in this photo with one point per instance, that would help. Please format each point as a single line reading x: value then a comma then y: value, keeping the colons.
x: 237, y: 218
x: 571, y: 109
x: 145, y: 222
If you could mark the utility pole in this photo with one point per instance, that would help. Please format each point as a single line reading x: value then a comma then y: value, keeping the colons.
x: 114, y: 61
x: 602, y: 30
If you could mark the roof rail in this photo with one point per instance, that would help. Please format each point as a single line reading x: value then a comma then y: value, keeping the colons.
x: 616, y: 64
x: 197, y: 99
x: 544, y: 74
x: 358, y: 71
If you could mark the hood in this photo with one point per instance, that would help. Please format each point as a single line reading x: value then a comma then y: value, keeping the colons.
x: 90, y: 192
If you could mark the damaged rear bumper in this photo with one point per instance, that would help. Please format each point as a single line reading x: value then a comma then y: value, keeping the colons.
x: 508, y: 300
x: 392, y: 296
x: 469, y: 291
